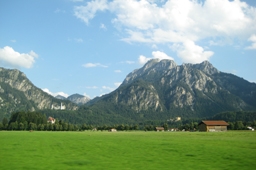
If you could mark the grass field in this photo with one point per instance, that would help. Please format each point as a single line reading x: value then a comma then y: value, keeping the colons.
x: 128, y: 150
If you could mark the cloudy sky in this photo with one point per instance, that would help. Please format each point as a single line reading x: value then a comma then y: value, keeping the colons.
x: 89, y: 46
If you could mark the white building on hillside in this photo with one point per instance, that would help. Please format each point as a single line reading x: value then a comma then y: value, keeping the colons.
x: 58, y: 107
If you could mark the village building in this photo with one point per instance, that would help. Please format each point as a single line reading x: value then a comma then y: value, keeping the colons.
x: 112, y: 130
x: 173, y: 129
x: 159, y: 129
x: 212, y: 126
x: 51, y: 120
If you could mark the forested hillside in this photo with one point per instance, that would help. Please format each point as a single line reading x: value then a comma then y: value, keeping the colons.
x: 236, y: 116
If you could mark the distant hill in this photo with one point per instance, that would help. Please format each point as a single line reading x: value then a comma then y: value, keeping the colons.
x: 60, y: 97
x: 78, y: 99
x: 17, y: 93
x: 75, y: 98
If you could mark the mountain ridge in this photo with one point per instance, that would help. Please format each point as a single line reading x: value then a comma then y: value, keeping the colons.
x: 17, y: 92
x: 196, y: 90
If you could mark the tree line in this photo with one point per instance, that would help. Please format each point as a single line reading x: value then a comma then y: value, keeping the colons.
x: 38, y: 121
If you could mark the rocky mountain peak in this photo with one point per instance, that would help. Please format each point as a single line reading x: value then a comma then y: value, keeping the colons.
x: 206, y: 67
x: 158, y: 65
x: 151, y: 67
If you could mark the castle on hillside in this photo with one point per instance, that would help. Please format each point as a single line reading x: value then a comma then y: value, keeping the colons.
x: 58, y: 107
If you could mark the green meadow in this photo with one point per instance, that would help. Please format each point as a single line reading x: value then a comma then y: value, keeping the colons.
x: 128, y: 150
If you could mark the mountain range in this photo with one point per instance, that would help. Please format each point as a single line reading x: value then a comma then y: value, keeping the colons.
x: 160, y: 90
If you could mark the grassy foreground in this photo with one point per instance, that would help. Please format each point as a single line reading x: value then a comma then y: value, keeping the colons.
x: 128, y: 150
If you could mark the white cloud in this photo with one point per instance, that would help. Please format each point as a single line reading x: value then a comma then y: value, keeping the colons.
x: 117, y: 84
x: 59, y: 11
x: 55, y: 94
x: 108, y: 88
x: 154, y: 46
x: 91, y: 87
x: 192, y: 53
x: 77, y: 0
x: 156, y: 55
x: 117, y: 71
x: 183, y: 22
x: 79, y: 40
x: 136, y: 36
x: 11, y: 58
x: 85, y: 13
x: 142, y: 59
x: 129, y: 62
x: 89, y: 65
x: 86, y: 95
x: 253, y: 40
x: 102, y: 26
x: 161, y: 55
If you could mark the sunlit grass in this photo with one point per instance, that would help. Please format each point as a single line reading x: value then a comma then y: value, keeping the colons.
x: 127, y: 150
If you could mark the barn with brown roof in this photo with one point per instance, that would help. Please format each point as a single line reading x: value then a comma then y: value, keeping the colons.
x: 159, y: 129
x: 212, y: 126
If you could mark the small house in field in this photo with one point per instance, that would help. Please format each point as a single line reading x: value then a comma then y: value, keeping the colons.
x: 173, y: 129
x: 112, y: 130
x: 51, y: 120
x: 159, y: 129
x: 212, y: 126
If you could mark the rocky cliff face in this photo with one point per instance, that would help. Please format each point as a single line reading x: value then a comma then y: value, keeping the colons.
x: 195, y: 89
x: 17, y: 92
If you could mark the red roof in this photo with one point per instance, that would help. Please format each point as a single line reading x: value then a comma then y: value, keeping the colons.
x: 214, y: 123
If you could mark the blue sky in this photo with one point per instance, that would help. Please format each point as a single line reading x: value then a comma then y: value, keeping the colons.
x: 88, y: 47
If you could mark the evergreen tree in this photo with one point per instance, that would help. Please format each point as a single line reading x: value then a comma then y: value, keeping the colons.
x: 5, y: 123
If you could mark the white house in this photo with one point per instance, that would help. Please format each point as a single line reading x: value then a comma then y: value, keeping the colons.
x: 51, y: 120
x: 112, y: 130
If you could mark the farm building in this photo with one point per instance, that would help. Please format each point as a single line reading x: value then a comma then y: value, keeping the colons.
x: 212, y: 126
x: 112, y: 130
x: 159, y: 129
